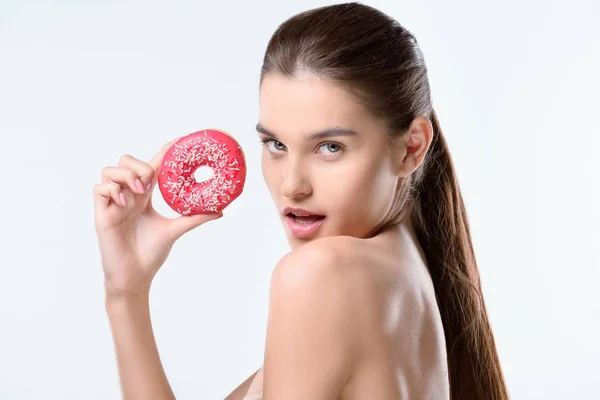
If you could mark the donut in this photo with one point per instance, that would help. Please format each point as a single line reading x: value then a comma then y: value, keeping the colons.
x: 213, y: 148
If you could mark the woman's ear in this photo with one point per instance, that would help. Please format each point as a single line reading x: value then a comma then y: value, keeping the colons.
x: 413, y: 146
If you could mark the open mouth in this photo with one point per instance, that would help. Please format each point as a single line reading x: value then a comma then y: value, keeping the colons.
x: 305, y: 219
x: 302, y: 223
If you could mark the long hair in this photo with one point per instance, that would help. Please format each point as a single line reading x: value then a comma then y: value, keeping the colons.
x: 379, y: 62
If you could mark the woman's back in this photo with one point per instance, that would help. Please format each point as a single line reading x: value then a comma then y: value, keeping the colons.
x: 402, y: 351
x: 405, y: 353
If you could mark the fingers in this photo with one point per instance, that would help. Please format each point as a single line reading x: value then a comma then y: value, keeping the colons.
x: 131, y: 177
x: 104, y: 192
x: 125, y: 177
x: 143, y: 170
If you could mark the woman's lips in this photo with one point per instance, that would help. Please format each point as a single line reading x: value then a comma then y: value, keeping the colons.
x: 304, y: 227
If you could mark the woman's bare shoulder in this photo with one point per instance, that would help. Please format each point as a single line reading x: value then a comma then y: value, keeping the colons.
x: 331, y: 300
x: 340, y: 261
x: 330, y: 251
x: 333, y: 266
x: 314, y: 323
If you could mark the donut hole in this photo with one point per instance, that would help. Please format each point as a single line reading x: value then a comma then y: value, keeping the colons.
x: 203, y: 173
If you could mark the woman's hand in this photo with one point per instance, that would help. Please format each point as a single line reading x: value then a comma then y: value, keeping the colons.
x: 134, y: 239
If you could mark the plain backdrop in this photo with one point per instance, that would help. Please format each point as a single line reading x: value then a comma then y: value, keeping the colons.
x: 515, y: 84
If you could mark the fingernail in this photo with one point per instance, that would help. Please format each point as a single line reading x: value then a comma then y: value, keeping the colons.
x: 148, y: 186
x: 139, y: 186
x: 122, y: 198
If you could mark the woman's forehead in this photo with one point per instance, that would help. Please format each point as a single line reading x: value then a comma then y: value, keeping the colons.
x: 307, y: 104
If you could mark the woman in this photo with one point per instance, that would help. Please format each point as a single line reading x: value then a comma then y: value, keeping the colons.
x: 379, y: 297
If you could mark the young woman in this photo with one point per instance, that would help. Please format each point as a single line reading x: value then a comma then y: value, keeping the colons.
x: 379, y: 297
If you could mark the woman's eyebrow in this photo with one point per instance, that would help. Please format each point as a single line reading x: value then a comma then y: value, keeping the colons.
x: 330, y: 132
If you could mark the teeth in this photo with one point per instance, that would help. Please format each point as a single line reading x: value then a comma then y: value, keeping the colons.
x: 302, y: 221
x: 302, y: 214
x: 307, y: 220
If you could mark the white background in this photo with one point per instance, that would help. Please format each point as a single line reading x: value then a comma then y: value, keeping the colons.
x: 516, y: 88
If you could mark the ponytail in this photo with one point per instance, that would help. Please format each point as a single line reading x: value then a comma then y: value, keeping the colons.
x: 442, y: 228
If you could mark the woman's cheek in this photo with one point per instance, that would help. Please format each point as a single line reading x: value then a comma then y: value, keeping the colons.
x: 352, y: 189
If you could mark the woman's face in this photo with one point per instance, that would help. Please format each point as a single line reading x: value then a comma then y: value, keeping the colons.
x: 327, y: 162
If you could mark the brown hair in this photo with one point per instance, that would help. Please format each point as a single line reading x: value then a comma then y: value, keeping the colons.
x: 378, y: 61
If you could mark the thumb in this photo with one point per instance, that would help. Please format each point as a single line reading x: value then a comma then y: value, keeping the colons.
x: 181, y: 225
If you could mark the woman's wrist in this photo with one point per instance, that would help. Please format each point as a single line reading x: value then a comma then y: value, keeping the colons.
x: 132, y: 295
x: 124, y: 302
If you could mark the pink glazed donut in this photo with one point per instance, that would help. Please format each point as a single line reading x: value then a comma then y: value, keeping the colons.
x: 212, y: 148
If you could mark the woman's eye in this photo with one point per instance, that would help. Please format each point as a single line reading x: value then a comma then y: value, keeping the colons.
x: 330, y: 148
x: 275, y: 146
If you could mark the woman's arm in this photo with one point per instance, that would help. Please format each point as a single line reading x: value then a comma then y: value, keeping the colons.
x: 134, y: 242
x: 140, y: 370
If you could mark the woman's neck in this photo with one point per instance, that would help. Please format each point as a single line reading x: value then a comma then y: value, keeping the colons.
x: 400, y: 239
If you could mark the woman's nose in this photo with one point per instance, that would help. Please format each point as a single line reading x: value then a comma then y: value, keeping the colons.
x: 295, y: 183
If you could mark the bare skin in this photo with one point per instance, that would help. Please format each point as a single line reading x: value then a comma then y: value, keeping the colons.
x: 406, y: 355
x: 405, y: 345
x: 349, y: 318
